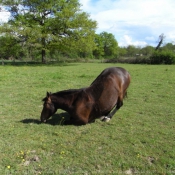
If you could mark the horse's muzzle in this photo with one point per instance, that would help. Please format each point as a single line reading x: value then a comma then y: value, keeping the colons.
x: 43, y: 120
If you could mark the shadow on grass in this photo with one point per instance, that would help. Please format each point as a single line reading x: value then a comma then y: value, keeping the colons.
x: 28, y: 121
x: 56, y: 119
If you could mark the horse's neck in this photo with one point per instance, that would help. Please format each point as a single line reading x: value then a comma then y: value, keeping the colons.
x: 64, y: 101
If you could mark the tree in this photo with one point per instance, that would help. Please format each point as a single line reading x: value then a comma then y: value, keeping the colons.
x: 132, y: 50
x: 99, y: 49
x: 148, y: 50
x: 122, y: 51
x: 58, y: 24
x: 169, y: 47
x: 161, y: 39
x: 106, y: 45
x: 110, y: 44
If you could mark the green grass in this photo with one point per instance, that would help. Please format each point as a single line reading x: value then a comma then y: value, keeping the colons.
x: 140, y: 138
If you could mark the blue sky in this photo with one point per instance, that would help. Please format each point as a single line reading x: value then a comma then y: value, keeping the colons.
x: 132, y: 22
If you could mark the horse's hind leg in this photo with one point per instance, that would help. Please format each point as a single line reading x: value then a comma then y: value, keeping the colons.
x: 109, y: 116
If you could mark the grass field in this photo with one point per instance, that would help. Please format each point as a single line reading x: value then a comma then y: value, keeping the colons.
x: 140, y: 138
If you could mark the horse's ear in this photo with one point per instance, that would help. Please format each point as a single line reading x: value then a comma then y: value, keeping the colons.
x: 47, y: 94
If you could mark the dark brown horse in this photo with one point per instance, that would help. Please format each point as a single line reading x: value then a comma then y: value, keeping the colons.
x: 96, y: 101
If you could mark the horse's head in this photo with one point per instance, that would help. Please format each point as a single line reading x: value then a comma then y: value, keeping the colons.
x: 48, y: 108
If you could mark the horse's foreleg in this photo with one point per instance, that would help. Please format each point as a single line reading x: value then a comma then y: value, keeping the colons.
x: 111, y: 114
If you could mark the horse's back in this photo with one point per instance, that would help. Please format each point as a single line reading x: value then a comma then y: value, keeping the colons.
x: 118, y: 74
x: 116, y: 77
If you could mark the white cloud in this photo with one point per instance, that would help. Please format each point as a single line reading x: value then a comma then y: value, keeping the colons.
x: 4, y: 15
x: 127, y: 40
x: 142, y: 21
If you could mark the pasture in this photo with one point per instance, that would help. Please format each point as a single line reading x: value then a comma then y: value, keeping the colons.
x: 140, y: 138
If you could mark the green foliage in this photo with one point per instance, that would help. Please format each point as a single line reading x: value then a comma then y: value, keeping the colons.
x: 162, y: 57
x: 132, y: 50
x: 10, y: 48
x: 42, y: 25
x: 106, y: 45
x: 99, y: 49
x: 122, y: 51
x: 147, y: 51
x: 110, y: 44
x: 168, y: 47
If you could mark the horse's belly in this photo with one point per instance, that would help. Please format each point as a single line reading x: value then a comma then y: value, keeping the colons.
x: 107, y: 101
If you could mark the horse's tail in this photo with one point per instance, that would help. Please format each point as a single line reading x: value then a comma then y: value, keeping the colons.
x: 125, y: 95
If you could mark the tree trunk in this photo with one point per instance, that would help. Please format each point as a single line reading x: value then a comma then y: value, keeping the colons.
x: 43, y: 53
x: 161, y: 38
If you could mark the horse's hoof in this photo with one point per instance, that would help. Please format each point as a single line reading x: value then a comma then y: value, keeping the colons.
x: 106, y: 119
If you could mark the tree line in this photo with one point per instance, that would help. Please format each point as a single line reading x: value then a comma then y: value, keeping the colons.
x: 53, y: 29
x: 148, y: 54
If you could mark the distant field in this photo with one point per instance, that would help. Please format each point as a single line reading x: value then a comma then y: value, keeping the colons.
x: 140, y: 138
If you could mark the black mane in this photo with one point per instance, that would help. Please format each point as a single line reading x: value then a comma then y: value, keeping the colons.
x: 67, y: 92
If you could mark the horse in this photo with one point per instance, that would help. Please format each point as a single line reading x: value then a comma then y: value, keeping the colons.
x: 100, y: 100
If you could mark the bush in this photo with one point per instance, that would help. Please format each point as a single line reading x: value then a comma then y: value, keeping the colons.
x: 130, y: 60
x: 163, y: 57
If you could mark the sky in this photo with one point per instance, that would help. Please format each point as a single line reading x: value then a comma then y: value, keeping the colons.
x: 132, y: 22
x: 4, y: 15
